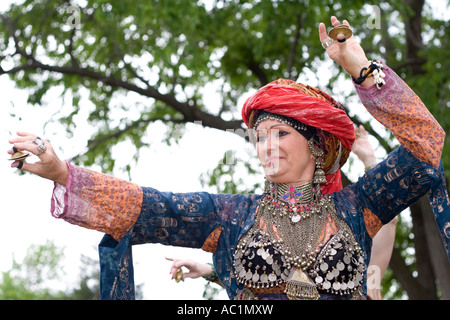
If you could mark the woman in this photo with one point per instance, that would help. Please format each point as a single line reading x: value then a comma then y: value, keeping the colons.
x: 304, y: 238
x: 382, y: 243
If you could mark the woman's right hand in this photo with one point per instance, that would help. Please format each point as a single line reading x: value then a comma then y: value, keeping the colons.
x: 196, y: 269
x: 49, y: 166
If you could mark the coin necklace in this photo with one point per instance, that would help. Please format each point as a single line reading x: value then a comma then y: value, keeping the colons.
x: 297, y: 202
x: 273, y: 252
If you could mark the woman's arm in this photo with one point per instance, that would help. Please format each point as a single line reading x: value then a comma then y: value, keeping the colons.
x: 383, y: 244
x: 400, y: 110
x: 396, y: 106
x: 83, y: 197
x: 97, y: 201
x: 114, y: 206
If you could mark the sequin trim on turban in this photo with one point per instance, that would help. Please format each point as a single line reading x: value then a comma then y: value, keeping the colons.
x: 307, y: 131
x: 311, y: 107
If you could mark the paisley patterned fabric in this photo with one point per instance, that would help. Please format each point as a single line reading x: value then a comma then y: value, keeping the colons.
x: 97, y: 201
x: 133, y: 215
x: 398, y: 108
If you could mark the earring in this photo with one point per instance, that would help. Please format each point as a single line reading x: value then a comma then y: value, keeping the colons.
x: 319, y: 174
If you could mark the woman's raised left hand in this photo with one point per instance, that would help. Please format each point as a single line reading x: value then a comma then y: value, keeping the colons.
x: 348, y: 54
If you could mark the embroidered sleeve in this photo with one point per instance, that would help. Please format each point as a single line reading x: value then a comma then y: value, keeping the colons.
x: 400, y: 110
x: 97, y: 201
x: 195, y: 220
x: 385, y: 191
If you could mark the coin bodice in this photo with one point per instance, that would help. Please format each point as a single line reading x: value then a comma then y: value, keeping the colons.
x: 266, y: 262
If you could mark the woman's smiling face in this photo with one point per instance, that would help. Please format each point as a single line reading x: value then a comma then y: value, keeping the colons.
x: 284, y: 153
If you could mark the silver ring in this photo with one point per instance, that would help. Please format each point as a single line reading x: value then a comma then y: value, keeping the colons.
x: 41, y: 145
x: 328, y: 43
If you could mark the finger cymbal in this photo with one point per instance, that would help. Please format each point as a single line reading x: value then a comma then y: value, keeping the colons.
x: 341, y: 29
x: 179, y: 275
x: 19, y: 156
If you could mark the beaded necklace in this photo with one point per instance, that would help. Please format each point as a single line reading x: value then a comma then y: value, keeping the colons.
x: 297, y: 202
x: 287, y: 245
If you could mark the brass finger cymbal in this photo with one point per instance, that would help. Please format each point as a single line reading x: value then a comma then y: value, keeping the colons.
x: 19, y: 156
x: 341, y: 29
x: 179, y: 275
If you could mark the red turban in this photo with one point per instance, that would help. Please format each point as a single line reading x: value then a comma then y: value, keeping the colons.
x: 312, y: 107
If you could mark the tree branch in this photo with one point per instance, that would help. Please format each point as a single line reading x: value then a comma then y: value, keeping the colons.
x: 70, y: 48
x: 293, y: 53
x: 190, y: 114
x: 94, y: 143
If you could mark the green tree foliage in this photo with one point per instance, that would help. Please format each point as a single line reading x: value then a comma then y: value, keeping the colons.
x: 167, y: 55
x: 34, y: 277
x: 41, y: 276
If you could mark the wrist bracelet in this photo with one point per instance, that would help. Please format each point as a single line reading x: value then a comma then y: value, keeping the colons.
x: 374, y: 70
x: 212, y: 277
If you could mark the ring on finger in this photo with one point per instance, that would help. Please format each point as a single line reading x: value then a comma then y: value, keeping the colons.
x: 41, y: 145
x: 328, y: 43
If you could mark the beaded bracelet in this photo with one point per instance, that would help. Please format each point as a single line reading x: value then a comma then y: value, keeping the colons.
x: 374, y: 70
x: 212, y: 277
